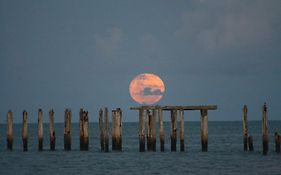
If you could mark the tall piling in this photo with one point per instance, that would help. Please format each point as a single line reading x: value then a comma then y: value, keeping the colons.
x: 84, y: 130
x: 173, y: 130
x: 265, y: 137
x: 106, y: 132
x: 148, y: 130
x: 40, y: 130
x: 117, y: 130
x: 161, y: 130
x: 153, y: 130
x: 67, y: 130
x: 10, y: 130
x: 277, y: 139
x: 25, y: 131
x: 101, y: 130
x: 52, y: 130
x: 141, y: 131
x: 204, y: 130
x: 181, y: 130
x: 245, y: 128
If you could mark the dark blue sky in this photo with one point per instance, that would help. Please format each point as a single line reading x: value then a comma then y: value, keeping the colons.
x: 58, y: 54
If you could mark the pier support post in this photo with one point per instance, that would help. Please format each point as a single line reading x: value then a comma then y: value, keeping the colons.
x: 10, y: 130
x: 40, y: 130
x: 141, y: 131
x: 204, y: 130
x: 84, y: 132
x: 106, y: 134
x: 264, y: 130
x: 67, y: 130
x: 173, y: 130
x: 277, y: 142
x: 101, y: 130
x: 148, y: 130
x: 52, y: 131
x: 181, y: 130
x: 117, y: 130
x: 161, y: 129
x: 25, y: 131
x: 153, y: 130
x: 245, y: 128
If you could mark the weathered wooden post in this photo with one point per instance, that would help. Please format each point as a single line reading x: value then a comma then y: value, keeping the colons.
x: 277, y: 142
x: 161, y: 130
x: 204, y: 130
x: 106, y: 134
x: 148, y: 130
x: 67, y: 130
x: 264, y: 129
x: 153, y: 130
x: 250, y: 142
x: 52, y: 131
x: 84, y: 133
x: 10, y: 130
x: 117, y: 130
x: 181, y: 130
x: 25, y: 131
x: 245, y: 128
x: 141, y: 131
x: 101, y: 129
x: 40, y: 130
x: 173, y: 130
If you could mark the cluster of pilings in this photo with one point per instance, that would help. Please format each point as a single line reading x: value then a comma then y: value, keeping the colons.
x: 83, y: 130
x: 248, y: 139
x: 150, y: 121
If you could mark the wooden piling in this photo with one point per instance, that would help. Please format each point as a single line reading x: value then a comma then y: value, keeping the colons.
x: 161, y: 130
x: 173, y: 130
x: 277, y: 142
x: 181, y: 130
x: 204, y: 130
x: 265, y: 138
x: 25, y: 131
x: 40, y: 130
x: 141, y: 131
x: 245, y: 128
x: 250, y: 143
x: 148, y: 131
x: 84, y: 132
x: 52, y: 131
x: 101, y: 130
x: 10, y: 130
x: 117, y: 130
x: 106, y: 132
x: 67, y: 130
x: 153, y: 130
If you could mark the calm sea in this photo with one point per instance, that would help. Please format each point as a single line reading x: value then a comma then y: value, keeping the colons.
x: 225, y: 155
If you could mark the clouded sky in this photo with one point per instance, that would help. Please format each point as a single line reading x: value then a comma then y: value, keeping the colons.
x: 58, y: 54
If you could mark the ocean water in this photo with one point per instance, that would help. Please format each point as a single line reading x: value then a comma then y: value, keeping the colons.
x: 225, y: 155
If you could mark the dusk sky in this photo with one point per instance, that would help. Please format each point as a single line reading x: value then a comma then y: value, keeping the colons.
x: 72, y: 54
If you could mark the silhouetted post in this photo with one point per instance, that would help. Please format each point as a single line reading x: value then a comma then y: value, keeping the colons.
x: 251, y: 145
x: 148, y: 128
x: 117, y: 130
x: 106, y: 134
x: 161, y: 129
x: 10, y: 130
x: 25, y: 131
x: 153, y: 130
x: 101, y: 129
x: 141, y: 131
x: 52, y: 131
x: 277, y: 142
x: 245, y: 128
x: 84, y: 133
x: 264, y: 130
x: 67, y: 130
x: 182, y: 130
x: 173, y: 130
x: 204, y: 130
x: 40, y: 130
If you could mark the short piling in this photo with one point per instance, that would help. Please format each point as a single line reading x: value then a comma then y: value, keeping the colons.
x: 106, y: 134
x: 141, y: 131
x: 117, y: 130
x: 84, y: 130
x: 101, y: 130
x: 67, y: 130
x: 181, y: 130
x: 245, y: 128
x: 40, y: 130
x: 277, y: 139
x: 161, y: 130
x: 153, y: 130
x: 250, y: 143
x: 25, y: 131
x: 52, y: 131
x: 173, y: 130
x: 265, y: 138
x: 10, y: 130
x: 204, y: 130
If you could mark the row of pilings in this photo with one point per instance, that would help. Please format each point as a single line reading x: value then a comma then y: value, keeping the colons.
x: 248, y: 139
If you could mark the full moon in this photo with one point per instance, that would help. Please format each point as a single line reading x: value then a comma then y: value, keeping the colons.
x: 147, y: 89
